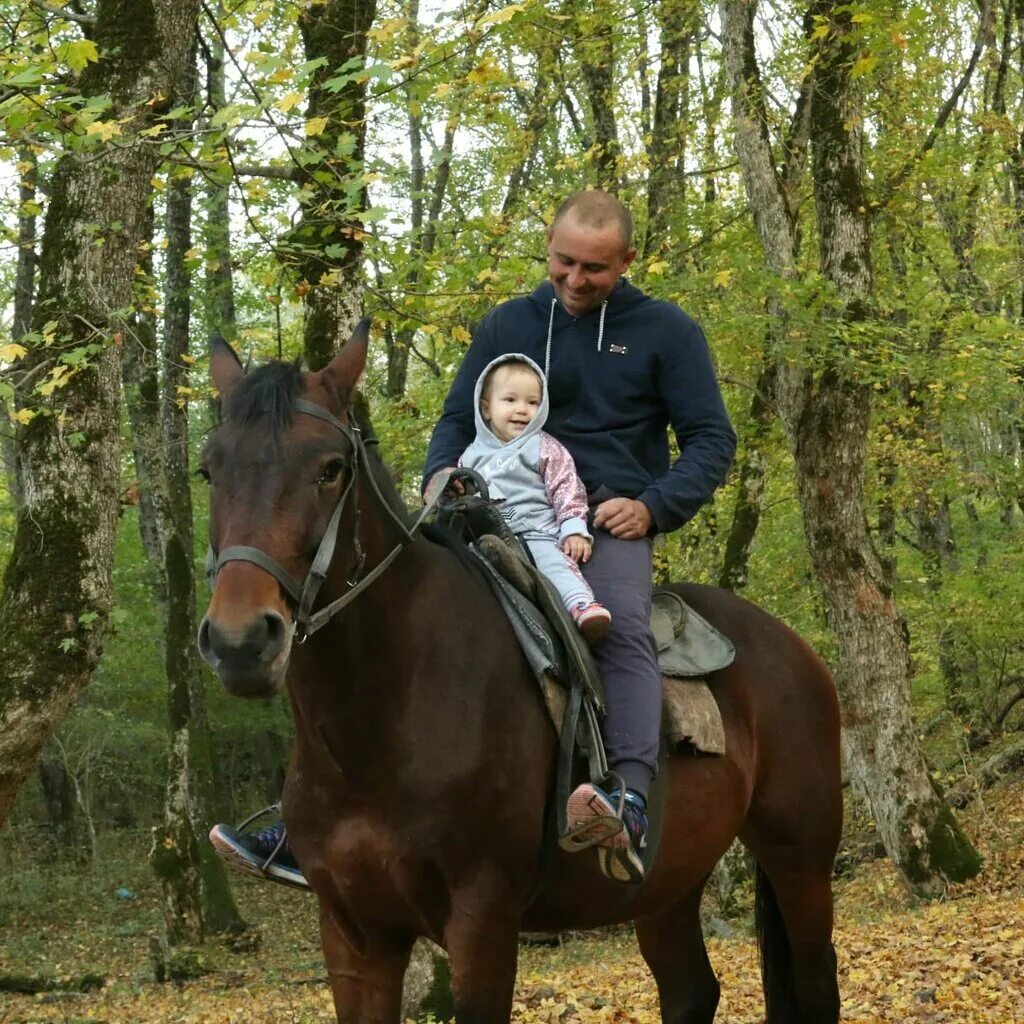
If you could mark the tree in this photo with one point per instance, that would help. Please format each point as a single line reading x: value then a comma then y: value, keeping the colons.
x: 56, y: 596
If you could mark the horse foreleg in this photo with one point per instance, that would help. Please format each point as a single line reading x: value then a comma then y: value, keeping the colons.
x: 482, y: 941
x: 365, y: 977
x: 673, y: 946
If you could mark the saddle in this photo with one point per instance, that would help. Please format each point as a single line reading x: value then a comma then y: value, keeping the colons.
x: 688, y: 646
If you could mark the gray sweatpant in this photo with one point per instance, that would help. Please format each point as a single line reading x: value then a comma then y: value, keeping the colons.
x: 620, y: 573
x: 554, y: 563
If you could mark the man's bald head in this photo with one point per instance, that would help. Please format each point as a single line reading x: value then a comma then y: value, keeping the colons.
x: 598, y: 210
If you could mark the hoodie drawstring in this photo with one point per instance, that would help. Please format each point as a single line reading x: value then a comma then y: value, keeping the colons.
x: 551, y: 327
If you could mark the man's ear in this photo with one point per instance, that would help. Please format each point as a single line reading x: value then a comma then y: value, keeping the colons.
x: 628, y: 258
x: 342, y: 373
x: 225, y: 367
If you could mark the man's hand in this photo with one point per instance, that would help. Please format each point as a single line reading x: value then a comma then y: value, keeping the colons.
x: 625, y: 518
x: 577, y: 547
x: 437, y: 481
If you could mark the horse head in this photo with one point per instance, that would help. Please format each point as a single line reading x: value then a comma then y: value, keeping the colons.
x: 280, y: 465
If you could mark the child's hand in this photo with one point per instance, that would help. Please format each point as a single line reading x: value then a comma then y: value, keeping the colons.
x: 577, y: 547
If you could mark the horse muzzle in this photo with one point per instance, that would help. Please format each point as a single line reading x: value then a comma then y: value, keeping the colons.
x: 250, y: 659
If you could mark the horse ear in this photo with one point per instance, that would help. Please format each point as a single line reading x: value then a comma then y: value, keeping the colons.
x: 345, y: 368
x: 225, y: 367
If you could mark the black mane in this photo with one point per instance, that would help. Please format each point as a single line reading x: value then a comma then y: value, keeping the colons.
x: 267, y: 393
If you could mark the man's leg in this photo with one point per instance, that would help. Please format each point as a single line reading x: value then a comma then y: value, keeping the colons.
x: 619, y: 571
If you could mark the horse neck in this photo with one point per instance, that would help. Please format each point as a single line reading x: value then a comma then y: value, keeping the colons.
x: 353, y: 683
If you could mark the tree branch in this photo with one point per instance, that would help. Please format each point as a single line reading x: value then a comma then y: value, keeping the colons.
x: 984, y: 32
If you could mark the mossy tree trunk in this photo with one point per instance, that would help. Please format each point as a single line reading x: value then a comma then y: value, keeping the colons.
x: 826, y: 415
x: 56, y: 597
x: 830, y: 434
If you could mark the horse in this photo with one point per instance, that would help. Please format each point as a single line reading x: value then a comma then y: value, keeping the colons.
x: 423, y: 755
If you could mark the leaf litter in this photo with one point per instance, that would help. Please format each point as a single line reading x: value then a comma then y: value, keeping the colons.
x: 959, y: 959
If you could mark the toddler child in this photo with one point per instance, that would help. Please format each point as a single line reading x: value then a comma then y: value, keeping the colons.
x: 534, y: 480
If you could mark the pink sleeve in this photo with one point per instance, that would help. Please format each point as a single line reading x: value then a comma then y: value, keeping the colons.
x: 564, y: 488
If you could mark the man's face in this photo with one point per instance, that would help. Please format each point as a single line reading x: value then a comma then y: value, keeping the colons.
x: 584, y: 263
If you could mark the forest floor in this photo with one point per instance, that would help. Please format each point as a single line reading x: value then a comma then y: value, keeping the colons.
x: 959, y: 959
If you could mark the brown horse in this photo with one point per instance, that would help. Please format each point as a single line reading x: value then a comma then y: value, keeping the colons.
x: 423, y: 756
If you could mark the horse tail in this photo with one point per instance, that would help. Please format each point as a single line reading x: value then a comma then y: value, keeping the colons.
x: 775, y: 951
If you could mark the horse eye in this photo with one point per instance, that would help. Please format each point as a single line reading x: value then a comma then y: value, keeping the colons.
x: 331, y: 472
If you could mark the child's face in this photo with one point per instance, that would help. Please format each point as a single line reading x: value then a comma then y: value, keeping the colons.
x: 511, y: 400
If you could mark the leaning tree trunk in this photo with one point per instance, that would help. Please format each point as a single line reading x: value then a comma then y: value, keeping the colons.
x: 57, y: 587
x: 873, y: 670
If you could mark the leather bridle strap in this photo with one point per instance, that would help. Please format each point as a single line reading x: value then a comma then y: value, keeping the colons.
x: 304, y: 594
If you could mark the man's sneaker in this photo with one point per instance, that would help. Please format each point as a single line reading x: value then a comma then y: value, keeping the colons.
x: 620, y: 857
x: 592, y: 620
x: 591, y: 818
x: 264, y: 853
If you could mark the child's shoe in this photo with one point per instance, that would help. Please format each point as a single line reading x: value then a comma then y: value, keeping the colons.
x: 592, y: 620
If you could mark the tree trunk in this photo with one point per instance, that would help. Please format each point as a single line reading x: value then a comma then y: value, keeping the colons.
x: 142, y: 398
x: 196, y: 895
x: 57, y: 587
x: 827, y: 420
x: 666, y: 152
x: 596, y: 53
x: 24, y: 292
x: 327, y: 242
x: 219, y: 286
x: 830, y: 434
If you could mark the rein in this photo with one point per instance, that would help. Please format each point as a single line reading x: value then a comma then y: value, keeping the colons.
x: 304, y: 594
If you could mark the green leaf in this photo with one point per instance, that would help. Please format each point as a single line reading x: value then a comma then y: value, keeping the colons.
x: 78, y: 54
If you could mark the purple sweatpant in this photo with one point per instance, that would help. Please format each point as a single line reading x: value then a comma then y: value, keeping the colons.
x: 620, y: 573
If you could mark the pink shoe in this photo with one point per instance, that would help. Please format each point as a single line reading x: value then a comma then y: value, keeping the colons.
x: 592, y: 620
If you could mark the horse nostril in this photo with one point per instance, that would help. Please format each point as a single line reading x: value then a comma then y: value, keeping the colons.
x: 203, y: 642
x: 274, y: 633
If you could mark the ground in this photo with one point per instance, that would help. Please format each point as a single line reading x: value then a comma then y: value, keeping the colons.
x: 959, y: 960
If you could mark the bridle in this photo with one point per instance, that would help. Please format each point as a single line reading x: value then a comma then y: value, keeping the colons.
x: 304, y: 594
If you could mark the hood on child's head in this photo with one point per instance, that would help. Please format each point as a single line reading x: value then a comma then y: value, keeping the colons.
x: 534, y: 427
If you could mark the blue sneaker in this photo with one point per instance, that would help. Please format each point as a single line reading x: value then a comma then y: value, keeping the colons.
x: 264, y: 853
x: 622, y: 858
x: 593, y: 820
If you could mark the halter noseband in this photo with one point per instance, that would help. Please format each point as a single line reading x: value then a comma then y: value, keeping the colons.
x: 304, y: 595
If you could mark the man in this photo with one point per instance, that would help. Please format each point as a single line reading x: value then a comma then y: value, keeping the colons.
x: 621, y: 370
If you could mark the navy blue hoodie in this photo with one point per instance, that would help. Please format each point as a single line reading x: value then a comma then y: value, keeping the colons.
x: 618, y: 378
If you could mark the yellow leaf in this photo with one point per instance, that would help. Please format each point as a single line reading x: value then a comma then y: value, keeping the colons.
x: 497, y: 17
x: 281, y: 75
x: 442, y: 90
x: 386, y: 29
x: 106, y: 130
x: 11, y: 351
x: 863, y: 66
x: 485, y: 71
x: 288, y: 101
x: 316, y: 125
x: 24, y: 416
x: 723, y: 277
x: 461, y: 334
x: 657, y: 267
